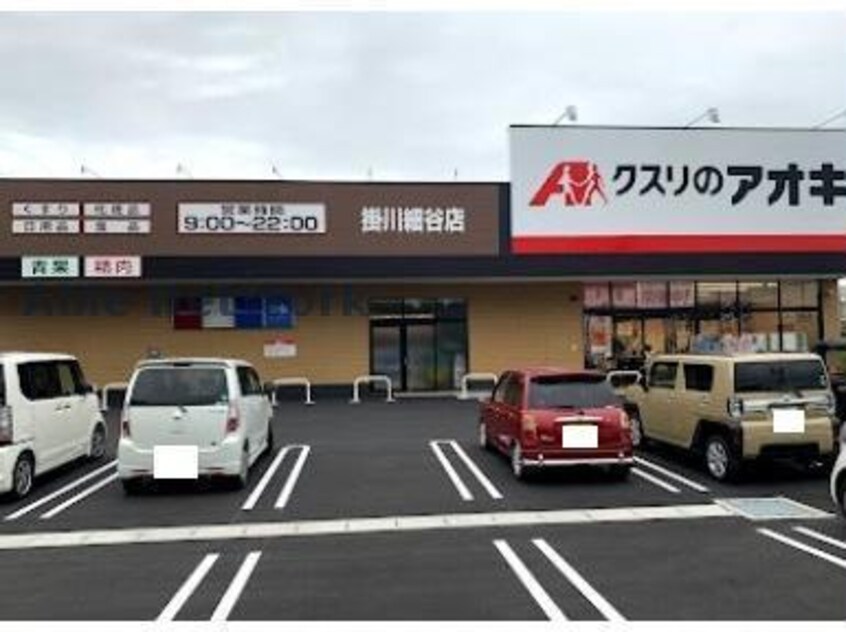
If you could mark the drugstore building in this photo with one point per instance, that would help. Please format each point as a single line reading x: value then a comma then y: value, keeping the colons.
x: 607, y: 243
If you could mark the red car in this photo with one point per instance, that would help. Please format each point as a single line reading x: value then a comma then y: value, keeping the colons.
x: 557, y: 417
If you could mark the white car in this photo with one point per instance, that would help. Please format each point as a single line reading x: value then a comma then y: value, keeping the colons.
x: 838, y: 474
x: 49, y: 416
x: 189, y: 417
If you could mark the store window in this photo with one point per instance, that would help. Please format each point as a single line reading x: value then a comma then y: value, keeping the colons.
x: 799, y: 330
x: 799, y: 294
x: 758, y: 295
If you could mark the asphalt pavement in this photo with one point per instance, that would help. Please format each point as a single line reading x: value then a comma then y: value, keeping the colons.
x: 387, y: 511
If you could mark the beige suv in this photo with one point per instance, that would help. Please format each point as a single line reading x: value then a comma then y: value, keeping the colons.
x: 735, y: 408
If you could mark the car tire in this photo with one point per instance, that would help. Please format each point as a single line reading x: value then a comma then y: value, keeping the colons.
x: 484, y: 441
x: 620, y: 472
x: 132, y: 486
x: 240, y: 480
x: 270, y: 440
x: 638, y: 437
x: 23, y: 476
x: 97, y: 449
x: 721, y: 462
x: 841, y: 494
x: 518, y: 468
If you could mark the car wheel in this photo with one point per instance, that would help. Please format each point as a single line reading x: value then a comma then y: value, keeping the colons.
x: 23, y: 475
x: 131, y: 486
x: 484, y: 442
x: 637, y: 430
x: 98, y: 443
x: 269, y: 447
x: 241, y: 479
x: 517, y: 466
x: 720, y: 460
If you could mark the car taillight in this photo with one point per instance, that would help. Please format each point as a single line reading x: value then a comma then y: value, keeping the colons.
x: 529, y: 427
x: 625, y: 423
x: 6, y: 425
x: 125, y: 430
x: 232, y: 419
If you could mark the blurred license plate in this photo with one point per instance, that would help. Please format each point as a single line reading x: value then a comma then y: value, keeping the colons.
x: 581, y: 436
x: 176, y: 462
x: 788, y: 420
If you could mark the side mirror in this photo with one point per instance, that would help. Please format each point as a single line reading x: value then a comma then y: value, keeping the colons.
x: 87, y: 389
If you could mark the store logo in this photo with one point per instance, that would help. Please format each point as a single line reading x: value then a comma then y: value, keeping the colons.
x: 577, y: 182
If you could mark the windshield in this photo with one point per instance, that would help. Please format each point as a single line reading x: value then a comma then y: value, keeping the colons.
x: 180, y: 386
x: 788, y: 376
x: 571, y: 391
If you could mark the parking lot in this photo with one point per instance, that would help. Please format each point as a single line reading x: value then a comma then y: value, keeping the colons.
x: 393, y: 512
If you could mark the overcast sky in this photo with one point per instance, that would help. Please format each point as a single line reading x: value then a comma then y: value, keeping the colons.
x: 410, y: 96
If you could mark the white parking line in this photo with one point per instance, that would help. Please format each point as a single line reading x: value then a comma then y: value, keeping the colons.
x: 474, y: 469
x: 59, y: 492
x: 251, y: 501
x: 345, y: 526
x: 285, y: 494
x: 528, y: 580
x: 655, y: 481
x: 821, y: 537
x: 580, y: 583
x: 187, y: 589
x: 453, y: 475
x: 796, y: 544
x: 670, y: 474
x: 233, y: 593
x: 80, y: 496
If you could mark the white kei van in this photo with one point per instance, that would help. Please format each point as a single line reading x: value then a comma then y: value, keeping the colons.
x: 184, y: 418
x: 49, y: 416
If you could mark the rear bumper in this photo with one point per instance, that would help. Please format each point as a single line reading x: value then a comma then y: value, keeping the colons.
x: 542, y: 460
x: 224, y: 460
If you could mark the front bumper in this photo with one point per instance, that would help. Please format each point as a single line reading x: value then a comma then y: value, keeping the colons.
x: 223, y: 460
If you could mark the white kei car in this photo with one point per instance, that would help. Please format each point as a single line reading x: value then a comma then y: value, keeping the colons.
x: 184, y: 418
x: 49, y: 416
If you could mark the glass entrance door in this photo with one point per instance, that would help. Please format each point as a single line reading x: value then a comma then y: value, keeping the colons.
x: 419, y: 357
x: 420, y: 344
x: 386, y: 351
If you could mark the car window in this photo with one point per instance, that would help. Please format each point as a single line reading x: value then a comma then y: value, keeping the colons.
x: 39, y: 380
x: 663, y: 375
x: 249, y: 381
x: 499, y: 390
x: 180, y: 386
x: 698, y: 377
x: 784, y: 376
x: 571, y: 391
x: 514, y: 391
x: 67, y: 383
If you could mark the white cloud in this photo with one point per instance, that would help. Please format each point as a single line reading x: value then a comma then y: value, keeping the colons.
x: 411, y: 96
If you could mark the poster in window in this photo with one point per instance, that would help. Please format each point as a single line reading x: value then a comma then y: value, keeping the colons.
x: 599, y: 335
x: 681, y: 294
x: 651, y: 295
x: 596, y: 295
x: 624, y: 295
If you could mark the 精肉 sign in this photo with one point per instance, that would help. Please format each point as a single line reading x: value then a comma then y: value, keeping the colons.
x: 677, y: 190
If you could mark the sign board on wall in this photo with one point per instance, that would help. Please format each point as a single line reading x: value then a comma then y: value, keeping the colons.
x: 56, y: 267
x: 600, y: 190
x: 221, y: 219
x: 280, y: 348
